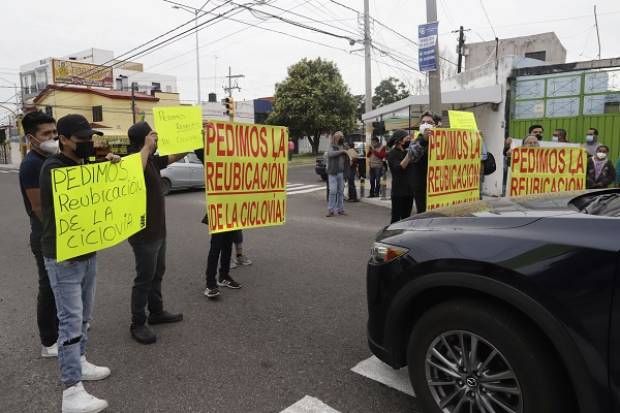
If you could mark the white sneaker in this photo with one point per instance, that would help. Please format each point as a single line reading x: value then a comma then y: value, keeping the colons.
x: 49, y: 352
x: 76, y: 400
x: 90, y: 372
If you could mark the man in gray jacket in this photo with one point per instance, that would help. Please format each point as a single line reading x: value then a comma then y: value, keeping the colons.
x: 337, y: 160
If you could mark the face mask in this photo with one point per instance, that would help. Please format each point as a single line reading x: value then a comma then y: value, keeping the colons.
x: 49, y: 147
x: 424, y: 127
x: 601, y: 155
x: 589, y: 138
x: 555, y: 139
x: 406, y: 144
x: 85, y: 150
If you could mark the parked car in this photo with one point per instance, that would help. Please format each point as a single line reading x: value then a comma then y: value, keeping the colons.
x: 321, y: 167
x: 186, y: 173
x: 503, y: 306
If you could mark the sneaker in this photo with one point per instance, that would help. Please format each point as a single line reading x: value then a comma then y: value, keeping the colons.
x: 49, y: 352
x: 342, y: 213
x: 76, y: 400
x: 212, y: 293
x: 90, y: 372
x: 164, y: 317
x: 229, y: 282
x: 243, y: 260
x: 142, y: 334
x: 329, y: 214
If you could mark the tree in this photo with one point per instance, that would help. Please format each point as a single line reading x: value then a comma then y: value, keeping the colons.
x: 390, y: 90
x: 313, y: 100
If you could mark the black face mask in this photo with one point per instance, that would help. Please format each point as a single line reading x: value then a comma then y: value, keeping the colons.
x: 85, y: 150
x: 406, y: 144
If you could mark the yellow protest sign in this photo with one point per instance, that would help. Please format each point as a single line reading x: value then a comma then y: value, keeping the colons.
x: 179, y: 129
x: 98, y: 205
x: 462, y: 120
x: 245, y: 175
x: 538, y: 170
x: 454, y: 160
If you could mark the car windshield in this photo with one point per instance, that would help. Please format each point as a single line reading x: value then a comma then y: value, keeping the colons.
x: 603, y: 203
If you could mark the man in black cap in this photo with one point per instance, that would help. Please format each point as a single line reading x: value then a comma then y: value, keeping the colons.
x: 72, y: 281
x: 399, y: 162
x: 149, y: 245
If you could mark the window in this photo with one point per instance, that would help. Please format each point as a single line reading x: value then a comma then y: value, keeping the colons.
x: 97, y: 113
x: 192, y: 158
x: 156, y: 86
x: 49, y: 111
x: 541, y: 55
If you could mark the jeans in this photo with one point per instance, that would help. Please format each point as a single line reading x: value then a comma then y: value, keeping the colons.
x: 73, y: 283
x: 375, y: 181
x: 351, y: 183
x: 150, y: 269
x: 47, y: 320
x: 336, y: 193
x: 401, y: 207
x: 221, y: 245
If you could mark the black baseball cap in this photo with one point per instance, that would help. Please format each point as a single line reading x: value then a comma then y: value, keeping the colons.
x: 397, y: 135
x: 75, y: 125
x: 137, y: 133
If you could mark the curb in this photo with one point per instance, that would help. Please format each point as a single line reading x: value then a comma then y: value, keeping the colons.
x: 10, y: 167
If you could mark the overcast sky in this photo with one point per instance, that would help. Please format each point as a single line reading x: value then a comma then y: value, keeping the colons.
x: 40, y: 28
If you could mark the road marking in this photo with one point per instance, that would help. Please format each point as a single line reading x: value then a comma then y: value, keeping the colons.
x: 8, y: 171
x: 292, y: 189
x: 309, y: 405
x: 375, y: 369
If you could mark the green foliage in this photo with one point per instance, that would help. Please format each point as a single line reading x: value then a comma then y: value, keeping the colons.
x: 390, y: 90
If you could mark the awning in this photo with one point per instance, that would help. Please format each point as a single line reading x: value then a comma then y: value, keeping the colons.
x: 490, y: 94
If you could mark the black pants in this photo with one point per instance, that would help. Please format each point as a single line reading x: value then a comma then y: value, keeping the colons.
x: 221, y: 246
x: 375, y: 181
x: 237, y: 237
x: 401, y: 207
x: 150, y: 269
x: 351, y: 183
x: 47, y: 321
x: 420, y: 200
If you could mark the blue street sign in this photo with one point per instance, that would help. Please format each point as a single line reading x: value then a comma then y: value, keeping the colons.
x: 427, y: 37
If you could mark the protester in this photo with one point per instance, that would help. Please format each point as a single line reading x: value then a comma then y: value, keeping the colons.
x: 351, y: 172
x: 337, y: 160
x: 507, y: 152
x: 41, y: 132
x: 376, y: 156
x: 592, y: 142
x: 291, y: 149
x: 531, y: 141
x: 149, y: 245
x: 418, y: 151
x: 239, y: 258
x: 72, y: 281
x: 600, y: 172
x: 536, y: 130
x: 559, y: 135
x: 399, y: 162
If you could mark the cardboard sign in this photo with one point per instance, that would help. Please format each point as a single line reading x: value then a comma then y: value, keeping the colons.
x: 462, y: 120
x: 179, y: 129
x: 454, y: 161
x: 538, y: 170
x: 245, y: 175
x: 97, y: 206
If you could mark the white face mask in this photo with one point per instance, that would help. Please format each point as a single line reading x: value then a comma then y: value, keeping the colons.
x: 601, y: 155
x: 424, y: 127
x: 49, y: 147
x: 589, y: 138
x: 555, y: 139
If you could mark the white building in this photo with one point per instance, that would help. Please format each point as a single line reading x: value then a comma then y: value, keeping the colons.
x: 35, y: 76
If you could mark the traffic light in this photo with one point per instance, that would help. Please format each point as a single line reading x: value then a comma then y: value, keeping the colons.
x: 378, y: 128
x: 229, y: 104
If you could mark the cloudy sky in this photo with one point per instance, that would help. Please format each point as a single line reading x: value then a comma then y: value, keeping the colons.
x: 40, y: 28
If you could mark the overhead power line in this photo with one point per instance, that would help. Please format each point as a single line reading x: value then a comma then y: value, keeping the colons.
x: 487, y: 16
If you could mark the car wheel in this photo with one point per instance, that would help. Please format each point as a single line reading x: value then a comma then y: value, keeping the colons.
x: 466, y: 356
x: 166, y: 186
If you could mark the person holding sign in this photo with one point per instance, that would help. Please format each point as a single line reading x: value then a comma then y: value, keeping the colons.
x: 418, y: 153
x: 73, y: 280
x: 149, y: 245
x: 399, y: 163
x: 600, y: 172
x: 40, y: 130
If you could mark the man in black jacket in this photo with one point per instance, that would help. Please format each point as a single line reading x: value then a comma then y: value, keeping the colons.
x: 418, y: 153
x: 401, y: 168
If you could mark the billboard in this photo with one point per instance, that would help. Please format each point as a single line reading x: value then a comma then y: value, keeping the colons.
x: 85, y: 74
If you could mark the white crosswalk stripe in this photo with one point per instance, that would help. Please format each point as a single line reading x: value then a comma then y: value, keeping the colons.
x: 293, y: 189
x: 309, y: 405
x: 8, y: 171
x: 375, y: 369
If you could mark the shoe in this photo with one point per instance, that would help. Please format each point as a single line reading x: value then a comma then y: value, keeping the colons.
x: 142, y: 334
x: 243, y: 260
x: 342, y: 213
x: 329, y: 214
x: 90, y: 372
x: 229, y: 282
x: 212, y: 293
x: 49, y: 352
x: 164, y: 317
x: 76, y: 400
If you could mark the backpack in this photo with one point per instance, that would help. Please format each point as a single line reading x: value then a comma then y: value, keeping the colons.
x: 489, y: 165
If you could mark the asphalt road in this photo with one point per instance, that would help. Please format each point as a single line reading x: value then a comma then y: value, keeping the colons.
x: 296, y: 328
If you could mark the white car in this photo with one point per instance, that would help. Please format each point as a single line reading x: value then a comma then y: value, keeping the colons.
x: 186, y: 173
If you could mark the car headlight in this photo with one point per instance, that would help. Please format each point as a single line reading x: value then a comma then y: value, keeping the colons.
x: 383, y: 253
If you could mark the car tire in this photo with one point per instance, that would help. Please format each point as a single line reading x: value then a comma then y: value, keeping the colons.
x: 539, y: 383
x: 166, y: 186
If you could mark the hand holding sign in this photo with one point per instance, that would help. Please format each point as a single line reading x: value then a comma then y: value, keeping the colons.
x: 179, y: 129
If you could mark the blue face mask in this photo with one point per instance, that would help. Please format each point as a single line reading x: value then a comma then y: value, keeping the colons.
x: 589, y: 138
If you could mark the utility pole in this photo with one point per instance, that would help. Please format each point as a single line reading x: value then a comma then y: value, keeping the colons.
x: 460, y: 48
x: 230, y: 87
x: 434, y: 80
x: 133, y: 101
x: 198, y: 99
x: 367, y: 67
x: 598, y: 37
